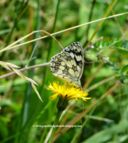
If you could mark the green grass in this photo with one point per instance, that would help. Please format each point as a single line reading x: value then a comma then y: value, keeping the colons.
x: 103, y: 118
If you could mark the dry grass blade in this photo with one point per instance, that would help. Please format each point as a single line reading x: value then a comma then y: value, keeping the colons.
x: 8, y: 65
x: 14, y: 68
x: 24, y: 69
x: 15, y: 45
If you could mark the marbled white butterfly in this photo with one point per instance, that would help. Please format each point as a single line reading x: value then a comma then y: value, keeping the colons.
x: 69, y: 63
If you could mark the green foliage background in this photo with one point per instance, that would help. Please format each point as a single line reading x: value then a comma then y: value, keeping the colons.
x: 104, y: 118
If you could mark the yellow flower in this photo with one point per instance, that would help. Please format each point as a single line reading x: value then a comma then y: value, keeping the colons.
x: 67, y: 91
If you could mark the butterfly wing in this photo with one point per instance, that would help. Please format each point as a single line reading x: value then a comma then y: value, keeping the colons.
x: 76, y: 53
x: 69, y: 63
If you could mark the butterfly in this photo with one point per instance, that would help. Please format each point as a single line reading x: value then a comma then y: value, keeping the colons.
x: 69, y: 64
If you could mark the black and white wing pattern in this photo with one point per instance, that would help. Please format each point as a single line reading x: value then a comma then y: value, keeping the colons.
x: 69, y: 63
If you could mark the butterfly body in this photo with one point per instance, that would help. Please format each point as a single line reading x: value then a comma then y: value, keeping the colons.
x: 69, y: 63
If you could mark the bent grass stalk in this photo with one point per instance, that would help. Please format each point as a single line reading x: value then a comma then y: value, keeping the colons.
x: 13, y: 45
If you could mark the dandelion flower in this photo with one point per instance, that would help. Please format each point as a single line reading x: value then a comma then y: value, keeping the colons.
x: 67, y: 91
